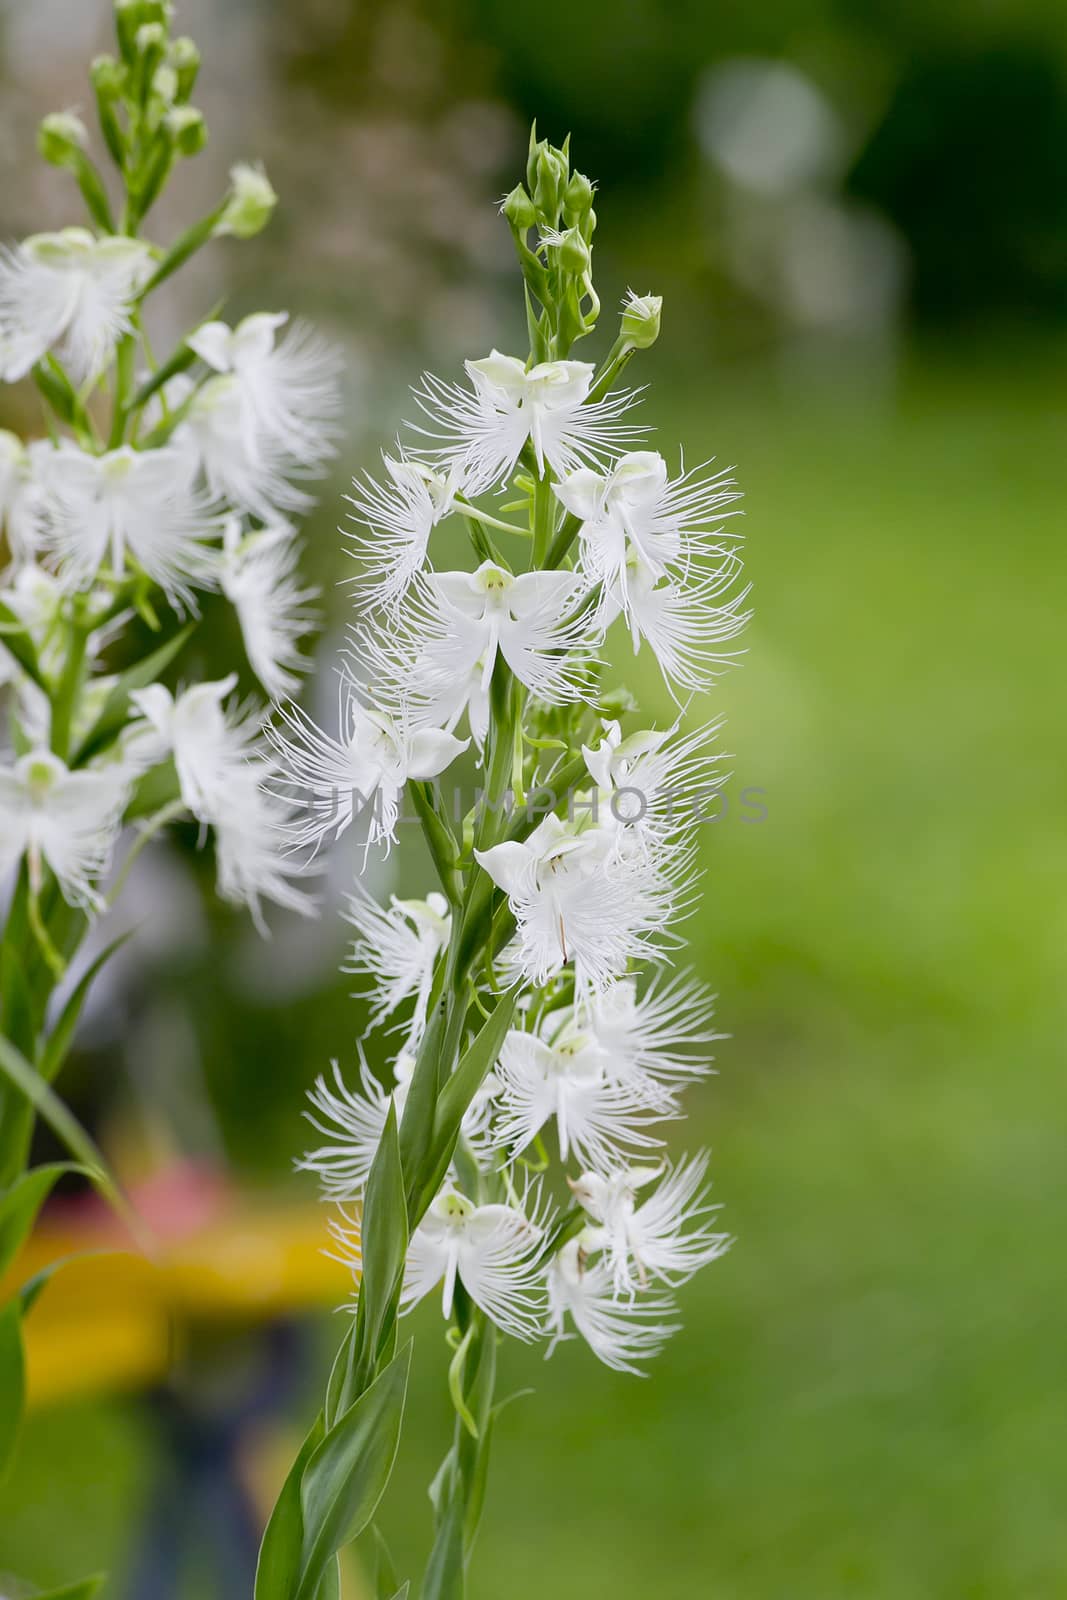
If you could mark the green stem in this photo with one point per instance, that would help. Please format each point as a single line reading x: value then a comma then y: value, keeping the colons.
x: 66, y: 693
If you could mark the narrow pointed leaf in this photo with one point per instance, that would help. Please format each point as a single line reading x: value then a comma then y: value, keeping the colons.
x: 348, y: 1473
x: 384, y: 1243
x: 61, y: 1038
x: 18, y: 643
x: 84, y: 1589
x: 20, y: 1204
x: 444, y: 1570
x: 116, y: 712
x: 458, y: 1092
x: 278, y: 1569
x: 17, y: 1070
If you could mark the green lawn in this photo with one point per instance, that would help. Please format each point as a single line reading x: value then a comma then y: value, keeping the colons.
x: 866, y: 1400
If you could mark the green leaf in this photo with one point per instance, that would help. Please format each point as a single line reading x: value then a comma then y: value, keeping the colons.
x: 115, y: 715
x: 278, y: 1569
x: 348, y: 1473
x: 416, y: 1124
x: 17, y: 1024
x: 18, y: 643
x: 47, y: 1104
x: 84, y: 1589
x: 20, y: 1204
x: 31, y: 1290
x: 384, y: 1244
x: 402, y: 1593
x: 12, y: 1381
x: 458, y: 1092
x: 385, y: 1578
x: 61, y: 1037
x: 444, y: 1570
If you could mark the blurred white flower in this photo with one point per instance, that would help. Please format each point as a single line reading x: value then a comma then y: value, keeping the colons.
x: 21, y: 496
x: 139, y: 503
x: 68, y: 292
x: 211, y: 744
x: 251, y: 847
x: 258, y: 575
x: 287, y: 385
x: 66, y: 820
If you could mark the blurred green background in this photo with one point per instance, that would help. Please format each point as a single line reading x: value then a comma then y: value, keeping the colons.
x: 857, y: 213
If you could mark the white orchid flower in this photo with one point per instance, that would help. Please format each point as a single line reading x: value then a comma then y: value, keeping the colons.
x: 363, y: 769
x: 619, y: 1331
x: 576, y: 901
x: 567, y: 1076
x: 397, y: 946
x: 667, y: 1237
x: 484, y: 428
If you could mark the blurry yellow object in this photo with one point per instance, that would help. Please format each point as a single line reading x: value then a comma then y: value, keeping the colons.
x: 114, y: 1319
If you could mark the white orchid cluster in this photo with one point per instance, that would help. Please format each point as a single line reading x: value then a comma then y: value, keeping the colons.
x: 156, y: 480
x: 522, y: 1026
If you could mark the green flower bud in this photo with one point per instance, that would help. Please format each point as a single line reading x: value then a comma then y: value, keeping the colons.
x: 551, y: 180
x: 640, y: 319
x: 518, y: 208
x: 165, y: 84
x: 578, y: 198
x: 250, y: 203
x: 108, y: 77
x: 574, y: 254
x: 187, y: 128
x: 60, y: 137
x: 185, y: 59
x: 131, y: 17
x: 151, y: 36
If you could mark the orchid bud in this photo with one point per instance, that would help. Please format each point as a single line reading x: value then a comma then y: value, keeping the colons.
x: 108, y: 78
x: 578, y: 197
x: 250, y: 204
x: 187, y: 128
x: 641, y: 319
x: 60, y: 137
x: 574, y: 254
x: 550, y: 181
x: 165, y: 84
x: 519, y: 210
x: 185, y: 59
